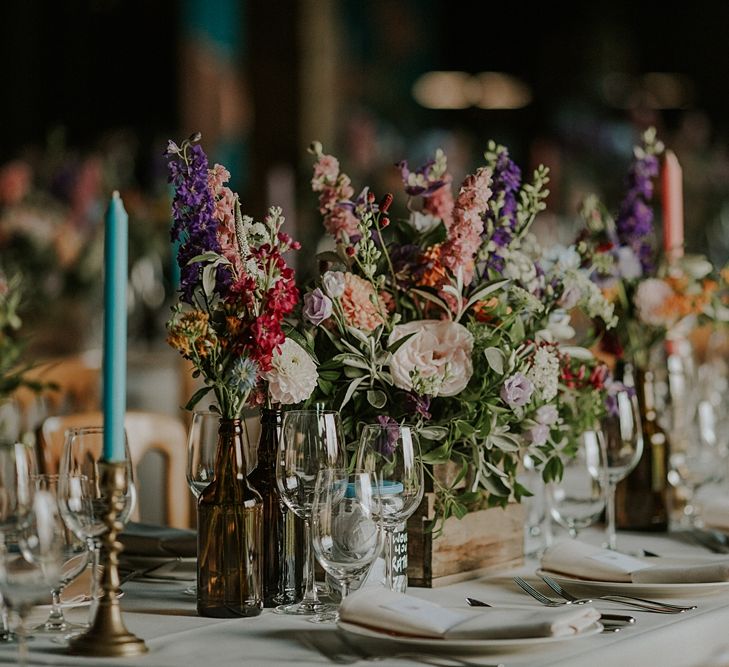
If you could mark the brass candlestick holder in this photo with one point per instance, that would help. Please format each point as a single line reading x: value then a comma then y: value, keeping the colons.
x: 108, y: 636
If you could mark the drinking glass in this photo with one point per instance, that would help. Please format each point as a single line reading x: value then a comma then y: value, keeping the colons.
x: 17, y: 465
x: 346, y: 526
x: 578, y: 500
x: 392, y: 454
x: 623, y: 448
x: 310, y: 440
x: 81, y: 496
x: 75, y: 552
x: 202, y: 444
x: 31, y: 563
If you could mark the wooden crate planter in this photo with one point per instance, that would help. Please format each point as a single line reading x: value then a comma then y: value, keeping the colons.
x: 483, y: 541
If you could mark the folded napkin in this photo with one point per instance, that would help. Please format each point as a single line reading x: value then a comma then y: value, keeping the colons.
x: 140, y: 539
x: 716, y: 513
x: 577, y: 559
x: 400, y: 614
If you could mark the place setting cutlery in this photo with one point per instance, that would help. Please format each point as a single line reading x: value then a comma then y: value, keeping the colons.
x: 567, y: 598
x: 610, y: 622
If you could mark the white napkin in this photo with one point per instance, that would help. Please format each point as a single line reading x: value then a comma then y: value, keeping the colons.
x: 716, y: 513
x: 400, y: 614
x: 577, y: 559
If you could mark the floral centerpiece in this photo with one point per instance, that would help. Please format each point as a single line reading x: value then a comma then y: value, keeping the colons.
x: 654, y: 296
x: 235, y: 291
x: 451, y: 317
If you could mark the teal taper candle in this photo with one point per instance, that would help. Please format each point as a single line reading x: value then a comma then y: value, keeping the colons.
x: 115, y: 328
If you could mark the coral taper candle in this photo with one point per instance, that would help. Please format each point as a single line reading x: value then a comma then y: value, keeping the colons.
x: 672, y: 186
x: 115, y: 328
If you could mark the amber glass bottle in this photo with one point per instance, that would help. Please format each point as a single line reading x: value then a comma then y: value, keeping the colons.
x: 282, y: 543
x: 642, y: 498
x: 230, y: 533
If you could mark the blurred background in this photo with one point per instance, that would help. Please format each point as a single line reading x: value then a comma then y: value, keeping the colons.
x: 93, y: 89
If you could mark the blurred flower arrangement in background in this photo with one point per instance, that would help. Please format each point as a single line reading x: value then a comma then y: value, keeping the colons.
x: 51, y: 207
x: 654, y: 298
x: 452, y: 318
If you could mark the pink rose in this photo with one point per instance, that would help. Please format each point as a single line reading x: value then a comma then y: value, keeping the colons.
x: 435, y: 361
x: 651, y: 300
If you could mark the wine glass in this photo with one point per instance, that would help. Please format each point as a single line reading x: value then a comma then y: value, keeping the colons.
x: 346, y: 526
x: 578, y: 499
x: 310, y: 440
x: 202, y: 444
x: 75, y: 552
x: 392, y: 453
x: 17, y: 465
x: 623, y: 448
x: 31, y: 563
x: 81, y: 496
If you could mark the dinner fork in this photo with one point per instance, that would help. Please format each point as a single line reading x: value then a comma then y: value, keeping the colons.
x: 557, y: 588
x: 551, y: 602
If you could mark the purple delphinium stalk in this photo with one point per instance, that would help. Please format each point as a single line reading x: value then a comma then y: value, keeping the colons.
x: 192, y: 213
x: 499, y: 224
x: 634, y: 223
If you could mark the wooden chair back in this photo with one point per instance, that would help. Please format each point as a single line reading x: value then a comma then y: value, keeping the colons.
x: 78, y: 386
x: 146, y: 432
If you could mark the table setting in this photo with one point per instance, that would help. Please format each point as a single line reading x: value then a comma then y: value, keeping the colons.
x: 401, y: 395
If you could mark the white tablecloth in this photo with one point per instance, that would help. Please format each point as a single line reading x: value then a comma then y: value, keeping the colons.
x: 165, y: 617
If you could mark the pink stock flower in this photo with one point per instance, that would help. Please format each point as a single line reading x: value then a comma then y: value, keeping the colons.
x: 440, y: 203
x: 358, y: 304
x: 466, y: 226
x: 341, y: 223
x: 224, y: 215
x: 326, y: 171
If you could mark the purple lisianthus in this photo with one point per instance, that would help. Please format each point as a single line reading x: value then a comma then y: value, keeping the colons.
x: 317, y: 307
x: 517, y: 390
x: 386, y: 443
x: 537, y: 434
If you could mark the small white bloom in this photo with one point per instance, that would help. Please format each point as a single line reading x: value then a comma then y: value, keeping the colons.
x: 544, y: 372
x: 628, y: 264
x: 423, y: 222
x: 293, y: 375
x: 333, y: 284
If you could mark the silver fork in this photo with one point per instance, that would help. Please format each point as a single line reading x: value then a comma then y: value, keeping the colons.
x: 557, y: 588
x: 551, y: 602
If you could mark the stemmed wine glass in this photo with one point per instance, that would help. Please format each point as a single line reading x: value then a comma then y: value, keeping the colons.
x: 75, y: 553
x: 392, y: 453
x: 578, y: 499
x: 17, y: 465
x: 310, y: 440
x: 81, y: 496
x: 346, y: 524
x: 202, y: 444
x: 623, y: 448
x: 31, y: 564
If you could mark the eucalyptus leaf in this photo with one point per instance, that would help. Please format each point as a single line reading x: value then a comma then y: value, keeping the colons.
x: 209, y: 274
x: 495, y: 358
x: 197, y: 397
x: 376, y: 398
x: 433, y: 432
x: 206, y: 257
x: 350, y: 390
